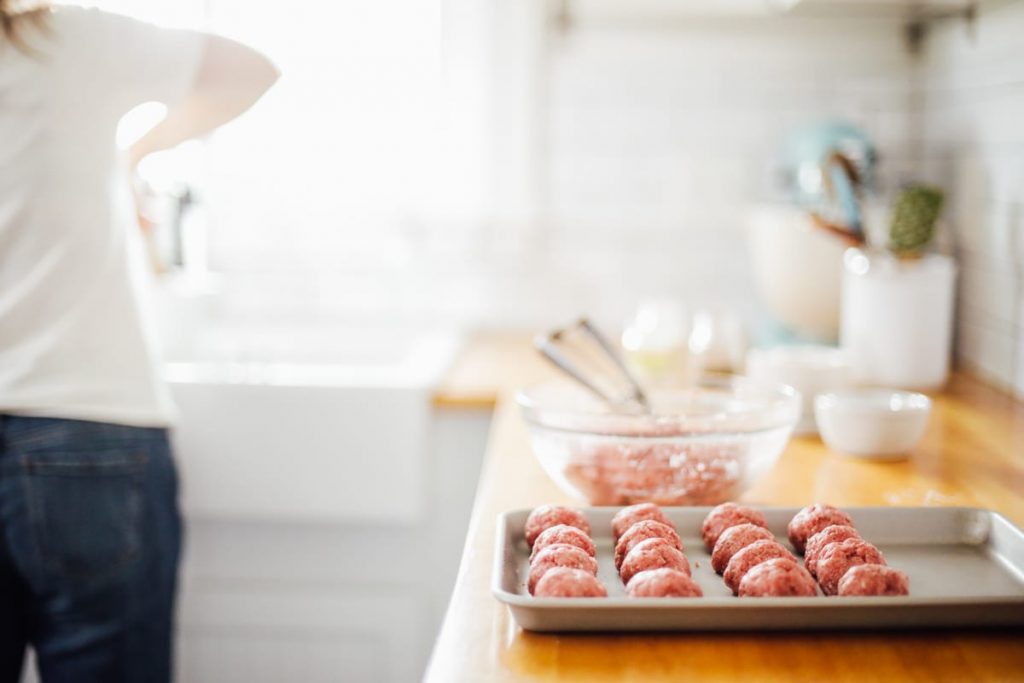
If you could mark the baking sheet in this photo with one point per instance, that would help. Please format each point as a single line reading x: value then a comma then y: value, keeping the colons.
x: 966, y: 568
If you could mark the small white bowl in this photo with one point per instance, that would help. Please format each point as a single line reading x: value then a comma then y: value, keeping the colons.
x: 872, y: 423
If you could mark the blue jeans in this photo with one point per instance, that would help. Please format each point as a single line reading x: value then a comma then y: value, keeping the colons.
x: 89, y: 543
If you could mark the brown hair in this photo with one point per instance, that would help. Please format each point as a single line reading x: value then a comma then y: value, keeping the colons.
x: 13, y: 14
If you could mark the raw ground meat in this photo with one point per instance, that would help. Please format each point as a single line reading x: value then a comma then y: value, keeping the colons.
x: 566, y: 582
x: 735, y: 539
x: 563, y: 533
x: 559, y: 556
x: 725, y: 516
x: 780, y: 577
x: 837, y: 558
x: 628, y: 516
x: 641, y: 531
x: 654, y: 553
x: 874, y: 579
x: 663, y: 583
x: 817, y: 543
x: 548, y: 516
x: 748, y: 558
x: 811, y: 520
x: 626, y: 472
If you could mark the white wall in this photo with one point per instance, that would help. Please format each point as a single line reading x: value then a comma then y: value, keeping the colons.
x: 621, y: 159
x: 972, y: 86
x: 663, y: 133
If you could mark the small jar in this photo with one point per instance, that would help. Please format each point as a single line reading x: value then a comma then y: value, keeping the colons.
x: 896, y: 323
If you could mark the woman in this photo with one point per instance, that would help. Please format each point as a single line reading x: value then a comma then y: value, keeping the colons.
x: 89, y: 526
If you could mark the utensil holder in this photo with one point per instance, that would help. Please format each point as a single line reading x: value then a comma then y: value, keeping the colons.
x: 897, y: 318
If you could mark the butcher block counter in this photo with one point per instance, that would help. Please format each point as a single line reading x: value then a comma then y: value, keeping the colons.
x: 972, y: 454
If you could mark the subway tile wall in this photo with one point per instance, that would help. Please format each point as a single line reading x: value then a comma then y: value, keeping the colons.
x: 662, y: 135
x: 971, y: 89
x: 653, y: 140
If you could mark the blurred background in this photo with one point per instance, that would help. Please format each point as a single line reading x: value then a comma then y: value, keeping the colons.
x: 429, y: 169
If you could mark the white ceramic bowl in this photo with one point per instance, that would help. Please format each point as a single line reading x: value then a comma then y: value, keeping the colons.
x: 872, y: 423
x: 809, y: 369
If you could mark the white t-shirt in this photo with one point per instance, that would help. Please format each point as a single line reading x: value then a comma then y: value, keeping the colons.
x: 74, y: 338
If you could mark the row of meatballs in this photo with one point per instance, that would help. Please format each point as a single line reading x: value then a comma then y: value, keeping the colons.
x: 648, y: 555
x: 650, y: 560
x: 753, y: 563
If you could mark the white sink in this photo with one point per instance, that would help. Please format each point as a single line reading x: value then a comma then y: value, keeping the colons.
x: 316, y: 425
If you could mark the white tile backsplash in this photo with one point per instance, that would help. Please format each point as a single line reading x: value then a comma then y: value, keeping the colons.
x: 625, y: 156
x: 972, y: 87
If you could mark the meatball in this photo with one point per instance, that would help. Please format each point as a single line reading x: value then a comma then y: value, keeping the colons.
x: 725, y: 516
x: 563, y: 533
x: 874, y: 579
x: 559, y: 556
x: 548, y: 516
x: 837, y: 558
x: 663, y: 583
x: 641, y: 531
x: 751, y: 556
x: 566, y: 582
x: 653, y: 553
x: 811, y: 520
x: 735, y: 539
x: 780, y: 577
x: 817, y: 543
x: 628, y: 516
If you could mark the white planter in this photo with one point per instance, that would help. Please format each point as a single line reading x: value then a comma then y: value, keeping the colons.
x: 897, y: 318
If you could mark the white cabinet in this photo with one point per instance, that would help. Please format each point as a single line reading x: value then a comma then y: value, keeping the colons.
x: 312, y: 601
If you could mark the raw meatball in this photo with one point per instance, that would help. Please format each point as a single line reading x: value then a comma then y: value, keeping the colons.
x: 735, y: 539
x: 781, y: 577
x: 627, y: 517
x: 811, y: 520
x: 559, y: 556
x: 563, y: 533
x: 817, y: 543
x: 725, y: 516
x: 641, y: 531
x: 548, y: 516
x: 748, y: 558
x: 837, y: 558
x: 566, y: 582
x: 874, y: 579
x: 663, y: 583
x: 653, y: 553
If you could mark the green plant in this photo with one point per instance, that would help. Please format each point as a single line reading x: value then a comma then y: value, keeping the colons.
x: 914, y: 215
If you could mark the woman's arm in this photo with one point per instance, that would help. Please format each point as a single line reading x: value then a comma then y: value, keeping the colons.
x: 230, y: 79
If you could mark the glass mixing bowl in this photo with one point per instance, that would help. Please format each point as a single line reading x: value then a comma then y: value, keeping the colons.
x: 702, y: 445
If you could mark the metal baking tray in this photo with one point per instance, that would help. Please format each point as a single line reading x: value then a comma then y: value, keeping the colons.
x: 966, y: 568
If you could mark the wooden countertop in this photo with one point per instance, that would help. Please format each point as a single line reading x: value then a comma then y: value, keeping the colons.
x: 972, y: 454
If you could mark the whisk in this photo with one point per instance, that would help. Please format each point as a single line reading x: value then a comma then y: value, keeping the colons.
x: 586, y: 355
